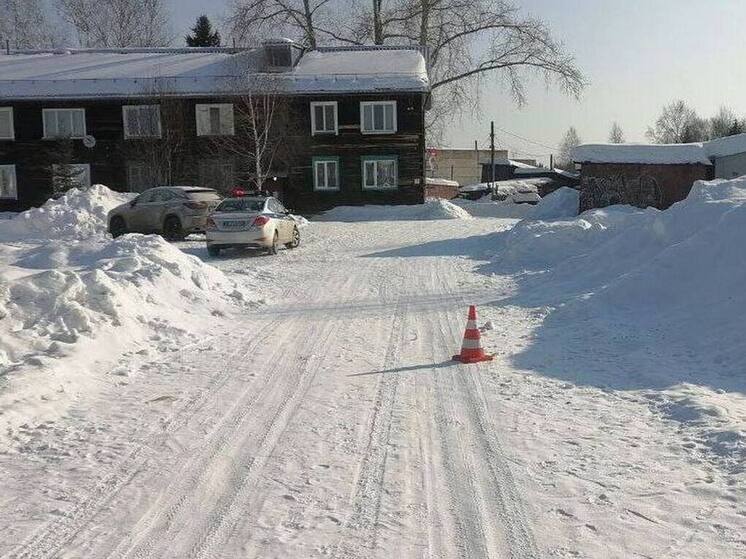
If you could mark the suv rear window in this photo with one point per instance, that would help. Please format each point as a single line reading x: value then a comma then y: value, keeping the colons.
x: 241, y: 205
x: 206, y: 195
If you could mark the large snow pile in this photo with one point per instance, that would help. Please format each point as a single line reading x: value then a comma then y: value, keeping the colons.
x: 646, y: 300
x: 70, y: 296
x: 562, y: 203
x: 432, y: 209
x: 75, y: 290
x: 80, y: 213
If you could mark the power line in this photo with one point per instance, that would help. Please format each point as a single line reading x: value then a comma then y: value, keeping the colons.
x: 526, y: 139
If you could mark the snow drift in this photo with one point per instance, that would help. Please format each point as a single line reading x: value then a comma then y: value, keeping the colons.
x: 70, y: 296
x: 562, y: 203
x: 656, y: 296
x: 432, y: 209
x: 80, y: 213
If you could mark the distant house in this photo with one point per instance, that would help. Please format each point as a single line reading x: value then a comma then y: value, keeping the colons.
x: 463, y: 165
x: 656, y: 175
x: 505, y: 168
x: 352, y: 122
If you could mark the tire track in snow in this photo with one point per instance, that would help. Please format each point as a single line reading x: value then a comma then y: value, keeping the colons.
x: 362, y: 523
x: 50, y: 538
x: 499, y: 496
x: 247, y: 428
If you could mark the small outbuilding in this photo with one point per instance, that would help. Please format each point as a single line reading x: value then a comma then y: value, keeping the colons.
x: 656, y: 175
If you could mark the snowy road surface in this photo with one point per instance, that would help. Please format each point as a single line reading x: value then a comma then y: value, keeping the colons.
x: 332, y: 423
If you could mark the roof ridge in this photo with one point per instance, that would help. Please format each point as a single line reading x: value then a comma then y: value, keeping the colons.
x: 135, y: 50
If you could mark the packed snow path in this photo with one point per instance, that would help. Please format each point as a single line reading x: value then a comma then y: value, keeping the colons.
x: 332, y: 423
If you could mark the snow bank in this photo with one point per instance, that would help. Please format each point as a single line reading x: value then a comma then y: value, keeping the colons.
x: 430, y: 210
x: 75, y: 290
x: 72, y: 299
x: 562, y: 203
x: 80, y: 213
x: 487, y: 207
x: 646, y: 300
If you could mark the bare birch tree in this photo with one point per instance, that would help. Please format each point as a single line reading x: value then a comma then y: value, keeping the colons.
x: 569, y: 142
x: 25, y: 25
x: 678, y: 123
x: 616, y: 135
x: 118, y: 23
x: 263, y: 135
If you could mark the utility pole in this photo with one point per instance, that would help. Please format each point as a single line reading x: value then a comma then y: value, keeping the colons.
x: 492, y: 156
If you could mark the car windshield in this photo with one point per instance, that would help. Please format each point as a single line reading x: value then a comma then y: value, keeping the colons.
x: 241, y: 205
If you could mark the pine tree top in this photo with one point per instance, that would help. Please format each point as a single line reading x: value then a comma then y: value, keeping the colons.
x: 203, y: 34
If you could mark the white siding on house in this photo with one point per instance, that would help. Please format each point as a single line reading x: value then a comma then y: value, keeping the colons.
x: 731, y: 166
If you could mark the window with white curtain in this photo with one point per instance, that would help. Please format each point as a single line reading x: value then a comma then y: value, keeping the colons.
x: 64, y: 123
x: 215, y: 120
x: 380, y: 173
x: 326, y: 173
x: 8, y: 185
x: 378, y: 117
x: 6, y: 124
x: 324, y: 118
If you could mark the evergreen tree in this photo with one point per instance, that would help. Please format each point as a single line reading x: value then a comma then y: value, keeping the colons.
x: 737, y: 127
x: 203, y: 34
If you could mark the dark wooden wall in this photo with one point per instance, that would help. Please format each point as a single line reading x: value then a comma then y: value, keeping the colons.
x: 33, y: 156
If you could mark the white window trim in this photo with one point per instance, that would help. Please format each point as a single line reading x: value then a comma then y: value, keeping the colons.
x: 314, y: 130
x: 222, y: 107
x: 376, y: 160
x: 15, y: 183
x: 86, y: 172
x: 125, y: 119
x: 364, y: 104
x: 66, y: 109
x: 323, y: 160
x: 12, y: 136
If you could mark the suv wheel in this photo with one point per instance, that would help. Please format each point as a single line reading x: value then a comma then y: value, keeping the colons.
x: 295, y: 242
x: 117, y: 227
x: 275, y: 246
x: 172, y: 230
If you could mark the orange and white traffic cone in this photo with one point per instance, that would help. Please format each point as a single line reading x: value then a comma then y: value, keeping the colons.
x: 471, y: 348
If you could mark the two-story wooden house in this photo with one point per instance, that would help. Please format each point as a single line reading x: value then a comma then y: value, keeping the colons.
x: 351, y: 129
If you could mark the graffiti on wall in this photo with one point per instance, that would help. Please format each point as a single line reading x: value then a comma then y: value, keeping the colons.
x: 599, y: 192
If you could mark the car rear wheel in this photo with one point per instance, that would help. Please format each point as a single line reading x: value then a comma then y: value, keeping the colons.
x: 117, y: 227
x: 172, y: 230
x: 275, y: 246
x: 213, y: 250
x: 295, y: 239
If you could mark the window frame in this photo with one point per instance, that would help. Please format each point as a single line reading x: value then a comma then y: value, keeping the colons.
x: 376, y: 159
x: 323, y: 160
x: 221, y: 107
x: 314, y: 129
x: 125, y: 121
x: 226, y: 166
x: 12, y: 136
x: 45, y: 112
x: 373, y: 104
x: 14, y: 175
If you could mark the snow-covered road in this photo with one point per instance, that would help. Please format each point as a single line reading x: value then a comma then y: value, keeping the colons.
x: 331, y: 422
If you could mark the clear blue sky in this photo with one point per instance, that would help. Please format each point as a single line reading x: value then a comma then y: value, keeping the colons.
x: 637, y: 54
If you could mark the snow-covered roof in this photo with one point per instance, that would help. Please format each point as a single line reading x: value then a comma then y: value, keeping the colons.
x: 651, y: 154
x: 88, y: 73
x: 724, y: 147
